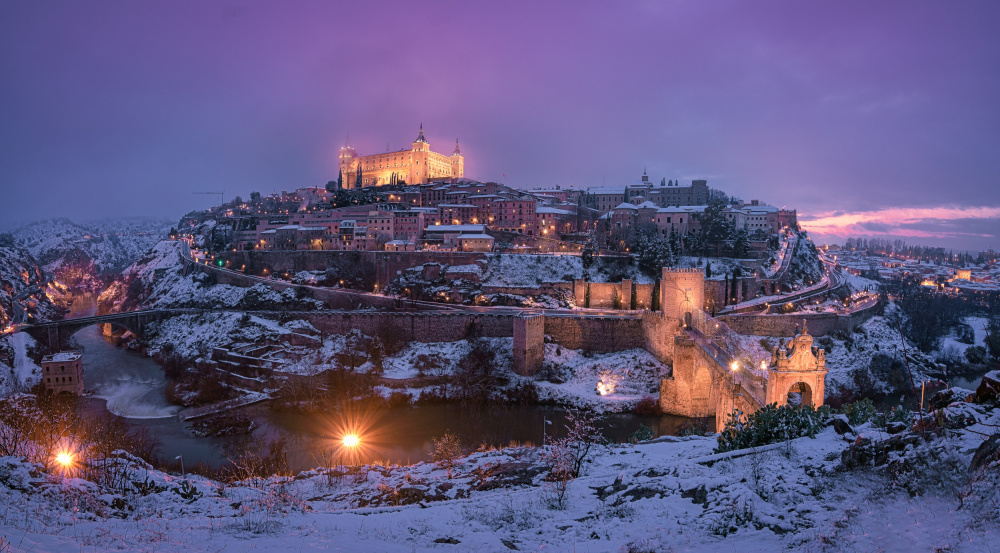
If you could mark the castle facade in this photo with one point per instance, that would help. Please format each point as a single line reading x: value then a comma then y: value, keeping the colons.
x: 418, y: 165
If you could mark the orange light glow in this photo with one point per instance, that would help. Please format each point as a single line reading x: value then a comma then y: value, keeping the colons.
x: 351, y: 440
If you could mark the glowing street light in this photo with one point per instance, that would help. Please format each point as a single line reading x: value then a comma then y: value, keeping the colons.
x: 65, y: 459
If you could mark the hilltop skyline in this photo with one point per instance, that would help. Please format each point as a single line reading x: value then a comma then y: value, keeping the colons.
x: 871, y: 120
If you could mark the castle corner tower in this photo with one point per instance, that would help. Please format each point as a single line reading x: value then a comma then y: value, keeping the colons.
x: 457, y: 162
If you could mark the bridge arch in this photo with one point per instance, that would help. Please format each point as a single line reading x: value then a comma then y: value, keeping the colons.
x: 701, y: 391
x: 800, y: 393
x: 57, y: 334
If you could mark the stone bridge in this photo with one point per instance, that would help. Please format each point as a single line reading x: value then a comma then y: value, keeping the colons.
x: 715, y: 372
x: 56, y: 334
x: 711, y: 378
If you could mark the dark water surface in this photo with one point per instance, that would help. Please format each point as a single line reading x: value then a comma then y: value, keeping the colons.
x: 132, y: 386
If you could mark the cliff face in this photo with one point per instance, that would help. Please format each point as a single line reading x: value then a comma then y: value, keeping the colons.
x: 82, y: 255
x: 26, y: 295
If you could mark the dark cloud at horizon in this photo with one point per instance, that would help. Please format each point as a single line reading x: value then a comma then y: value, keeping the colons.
x: 852, y: 107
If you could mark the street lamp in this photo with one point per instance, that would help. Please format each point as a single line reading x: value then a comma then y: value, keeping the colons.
x: 65, y: 459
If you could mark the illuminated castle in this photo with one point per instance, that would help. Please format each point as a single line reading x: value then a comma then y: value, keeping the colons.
x: 418, y: 165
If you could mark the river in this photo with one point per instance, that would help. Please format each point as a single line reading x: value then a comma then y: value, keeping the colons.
x: 131, y: 385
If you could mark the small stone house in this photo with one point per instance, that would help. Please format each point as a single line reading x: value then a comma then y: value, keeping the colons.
x: 63, y: 372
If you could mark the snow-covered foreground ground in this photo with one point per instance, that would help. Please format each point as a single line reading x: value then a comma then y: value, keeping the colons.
x: 669, y: 496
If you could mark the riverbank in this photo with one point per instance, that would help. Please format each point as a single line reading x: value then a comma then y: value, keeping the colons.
x: 132, y: 385
x: 805, y: 494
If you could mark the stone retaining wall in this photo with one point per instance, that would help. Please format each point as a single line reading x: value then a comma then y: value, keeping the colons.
x: 784, y: 325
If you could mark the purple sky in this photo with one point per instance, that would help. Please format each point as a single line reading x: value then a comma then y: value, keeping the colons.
x: 833, y: 108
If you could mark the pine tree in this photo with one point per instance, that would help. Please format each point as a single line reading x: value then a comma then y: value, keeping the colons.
x: 359, y: 180
x: 340, y: 178
x: 588, y: 252
x: 675, y: 242
x: 741, y: 243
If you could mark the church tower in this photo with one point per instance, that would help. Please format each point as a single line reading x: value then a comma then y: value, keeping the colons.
x: 457, y: 162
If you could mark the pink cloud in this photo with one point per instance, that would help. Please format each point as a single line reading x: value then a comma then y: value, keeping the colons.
x: 898, y: 221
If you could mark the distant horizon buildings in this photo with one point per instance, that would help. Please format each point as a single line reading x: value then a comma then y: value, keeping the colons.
x: 417, y: 165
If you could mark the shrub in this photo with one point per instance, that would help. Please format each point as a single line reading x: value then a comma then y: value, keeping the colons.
x: 565, y: 456
x: 769, y: 425
x: 976, y: 355
x: 859, y: 412
x: 525, y: 393
x: 399, y: 399
x: 446, y: 450
x: 647, y: 407
x: 696, y: 427
x: 891, y: 371
x: 827, y: 343
x: 641, y: 434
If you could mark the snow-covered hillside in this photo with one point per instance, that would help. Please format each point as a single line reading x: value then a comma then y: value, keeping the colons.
x: 805, y: 267
x: 18, y: 371
x: 808, y: 494
x: 157, y: 280
x: 75, y: 251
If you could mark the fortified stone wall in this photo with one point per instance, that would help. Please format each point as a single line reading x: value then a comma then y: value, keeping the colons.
x: 334, y: 298
x: 784, y: 325
x: 602, y: 294
x: 529, y: 344
x: 644, y: 295
x: 413, y: 327
x: 384, y: 266
x: 717, y: 295
x: 597, y: 334
x: 658, y: 335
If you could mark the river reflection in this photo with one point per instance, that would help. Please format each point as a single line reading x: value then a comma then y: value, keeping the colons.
x: 132, y: 386
x: 404, y: 435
